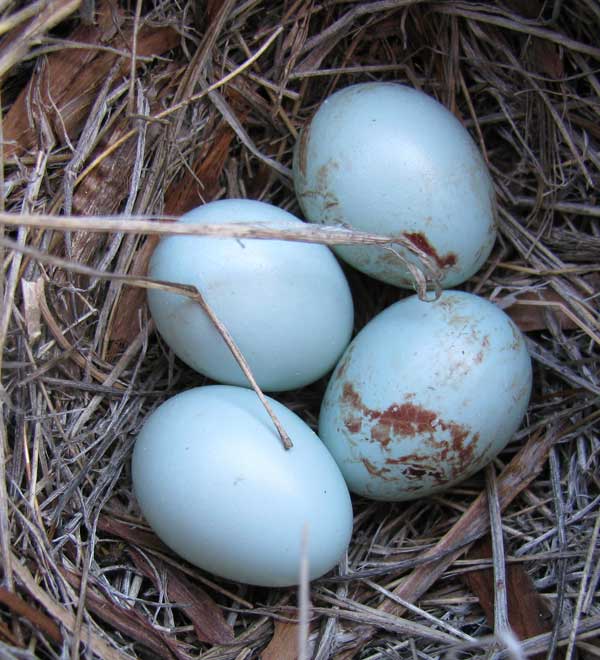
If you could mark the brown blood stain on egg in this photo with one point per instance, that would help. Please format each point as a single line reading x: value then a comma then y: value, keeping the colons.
x: 419, y: 240
x: 448, y: 458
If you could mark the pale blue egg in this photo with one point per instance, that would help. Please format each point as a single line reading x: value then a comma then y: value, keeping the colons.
x: 214, y: 482
x: 287, y: 305
x: 426, y: 395
x: 388, y: 159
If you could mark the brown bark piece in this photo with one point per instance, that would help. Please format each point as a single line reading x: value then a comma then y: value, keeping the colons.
x: 546, y: 58
x: 128, y: 622
x: 181, y: 197
x: 105, y: 188
x: 17, y: 42
x: 474, y: 523
x: 206, y: 616
x: 517, y: 475
x: 39, y: 620
x: 531, y: 317
x: 7, y: 636
x: 528, y: 613
x: 93, y: 641
x: 56, y: 78
x: 203, y: 612
x: 65, y: 85
x: 203, y: 184
x: 284, y: 643
x: 125, y: 324
x: 132, y: 534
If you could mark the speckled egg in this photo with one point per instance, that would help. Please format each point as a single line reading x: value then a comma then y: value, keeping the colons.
x: 388, y: 159
x: 426, y: 395
x: 214, y: 482
x: 287, y: 305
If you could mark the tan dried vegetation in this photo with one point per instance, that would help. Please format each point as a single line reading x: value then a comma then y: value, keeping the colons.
x: 119, y: 114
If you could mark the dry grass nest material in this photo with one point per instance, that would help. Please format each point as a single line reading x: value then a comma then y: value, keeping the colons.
x: 146, y: 109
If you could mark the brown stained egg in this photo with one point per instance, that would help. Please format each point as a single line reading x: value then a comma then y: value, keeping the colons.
x: 425, y: 396
x: 388, y: 159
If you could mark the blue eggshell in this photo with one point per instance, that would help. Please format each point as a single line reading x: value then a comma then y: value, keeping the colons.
x: 388, y: 159
x: 426, y: 395
x: 214, y: 482
x: 286, y: 304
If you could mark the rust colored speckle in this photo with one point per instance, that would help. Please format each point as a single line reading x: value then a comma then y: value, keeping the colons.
x: 353, y: 405
x: 353, y: 424
x: 324, y: 172
x: 329, y: 202
x: 417, y: 472
x: 416, y: 467
x: 485, y: 345
x: 521, y: 393
x: 374, y: 471
x: 342, y: 367
x: 396, y: 461
x: 459, y: 434
x: 458, y: 454
x: 381, y: 434
x: 351, y: 397
x: 404, y: 420
x: 407, y: 419
x: 419, y: 240
x: 448, y: 303
x: 447, y: 452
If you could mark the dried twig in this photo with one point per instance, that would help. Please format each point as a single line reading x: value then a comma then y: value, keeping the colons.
x: 472, y: 524
x: 187, y: 290
x: 51, y: 14
x: 590, y: 561
x: 501, y: 625
x: 304, y: 598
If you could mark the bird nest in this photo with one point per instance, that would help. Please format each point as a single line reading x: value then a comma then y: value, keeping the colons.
x: 119, y: 115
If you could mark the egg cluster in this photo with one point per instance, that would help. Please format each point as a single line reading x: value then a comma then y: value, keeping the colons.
x: 424, y: 396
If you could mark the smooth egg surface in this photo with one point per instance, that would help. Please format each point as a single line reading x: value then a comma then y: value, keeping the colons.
x: 287, y: 305
x: 388, y: 159
x: 214, y: 482
x: 425, y: 396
